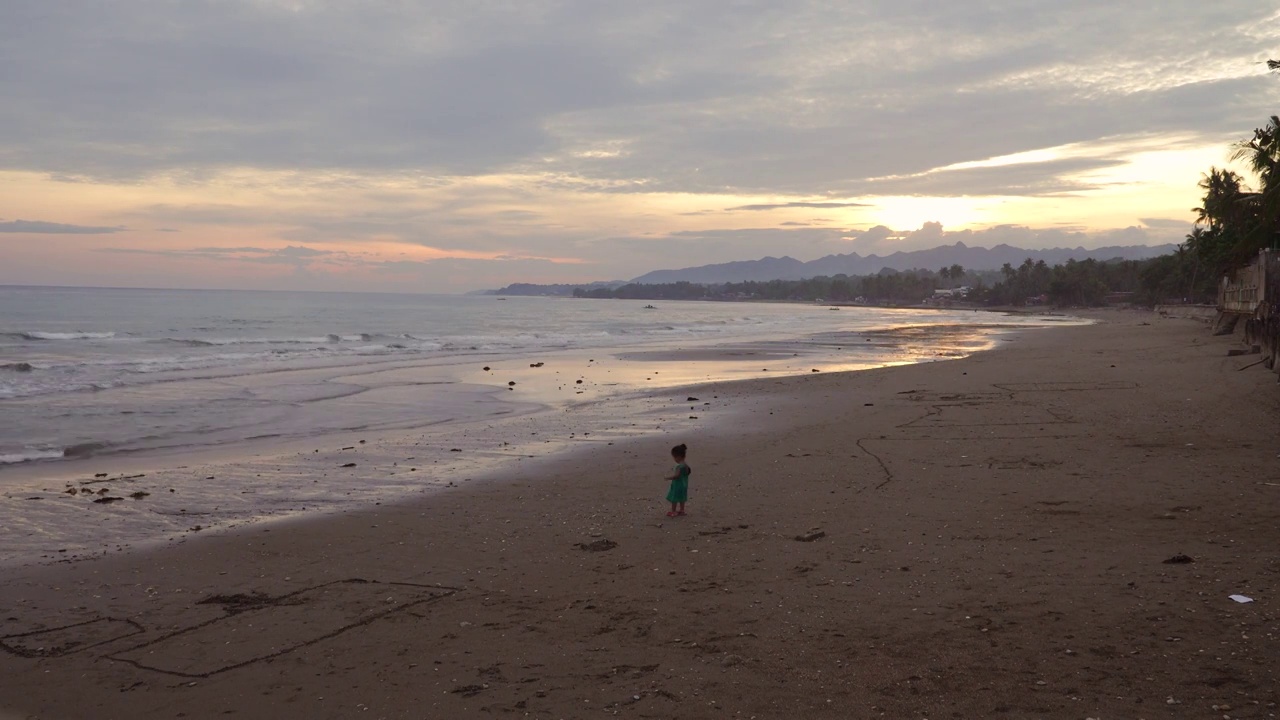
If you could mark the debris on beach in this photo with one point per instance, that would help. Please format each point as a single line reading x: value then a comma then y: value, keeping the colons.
x: 1241, y: 598
x: 139, y: 495
x: 536, y: 365
x: 1179, y: 560
x: 240, y: 602
x: 811, y: 536
x: 469, y: 690
x: 486, y: 367
x: 99, y: 475
x: 346, y: 465
x: 691, y: 399
x: 513, y: 382
x: 107, y: 500
x: 600, y: 545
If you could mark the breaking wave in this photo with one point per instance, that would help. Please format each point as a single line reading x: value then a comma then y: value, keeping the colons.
x: 38, y: 335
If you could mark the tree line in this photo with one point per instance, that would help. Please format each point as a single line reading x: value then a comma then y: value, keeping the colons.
x: 1085, y: 282
x: 1235, y: 219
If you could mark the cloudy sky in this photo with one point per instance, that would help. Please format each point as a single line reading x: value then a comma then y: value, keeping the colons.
x: 448, y: 145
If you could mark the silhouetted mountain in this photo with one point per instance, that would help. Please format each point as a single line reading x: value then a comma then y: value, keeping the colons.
x: 556, y: 290
x: 971, y: 258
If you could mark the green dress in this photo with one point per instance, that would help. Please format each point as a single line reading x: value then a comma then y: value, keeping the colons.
x: 679, y: 491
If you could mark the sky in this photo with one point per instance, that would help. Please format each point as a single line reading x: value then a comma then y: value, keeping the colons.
x: 449, y: 145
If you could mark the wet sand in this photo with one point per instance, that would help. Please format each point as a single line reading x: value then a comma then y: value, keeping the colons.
x: 985, y: 537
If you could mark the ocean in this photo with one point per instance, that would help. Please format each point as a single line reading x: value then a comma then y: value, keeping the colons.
x: 93, y: 372
x: 131, y: 417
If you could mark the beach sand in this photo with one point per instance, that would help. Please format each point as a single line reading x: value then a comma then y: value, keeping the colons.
x: 984, y: 537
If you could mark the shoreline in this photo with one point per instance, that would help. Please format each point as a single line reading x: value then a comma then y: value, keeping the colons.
x: 995, y: 531
x: 304, y: 397
x: 53, y: 510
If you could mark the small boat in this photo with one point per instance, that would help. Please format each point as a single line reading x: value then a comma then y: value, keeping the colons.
x: 648, y: 307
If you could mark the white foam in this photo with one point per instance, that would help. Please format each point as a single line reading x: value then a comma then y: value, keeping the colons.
x: 28, y: 456
x: 68, y: 336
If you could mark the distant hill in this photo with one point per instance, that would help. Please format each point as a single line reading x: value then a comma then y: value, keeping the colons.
x: 558, y: 290
x: 971, y: 258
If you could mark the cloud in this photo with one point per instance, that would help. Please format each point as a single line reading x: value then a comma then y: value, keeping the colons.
x: 52, y: 228
x: 881, y: 240
x: 658, y: 95
x: 1167, y: 224
x: 779, y: 206
x: 287, y: 255
x: 618, y: 134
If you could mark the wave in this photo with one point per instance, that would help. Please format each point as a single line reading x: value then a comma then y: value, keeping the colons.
x: 317, y: 340
x: 30, y: 456
x: 37, y: 335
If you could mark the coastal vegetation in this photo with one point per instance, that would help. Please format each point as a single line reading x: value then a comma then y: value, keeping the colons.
x: 1086, y: 282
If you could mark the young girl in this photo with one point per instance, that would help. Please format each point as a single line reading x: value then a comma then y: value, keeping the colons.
x: 679, y: 478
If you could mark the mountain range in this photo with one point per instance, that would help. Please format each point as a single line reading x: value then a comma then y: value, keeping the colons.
x: 970, y: 258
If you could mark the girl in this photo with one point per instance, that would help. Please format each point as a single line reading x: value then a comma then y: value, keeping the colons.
x: 679, y: 478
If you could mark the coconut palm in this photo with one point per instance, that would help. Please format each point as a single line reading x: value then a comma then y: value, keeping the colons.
x: 1262, y: 155
x: 1224, y: 197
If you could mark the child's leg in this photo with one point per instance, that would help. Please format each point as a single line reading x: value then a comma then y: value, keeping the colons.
x: 680, y: 510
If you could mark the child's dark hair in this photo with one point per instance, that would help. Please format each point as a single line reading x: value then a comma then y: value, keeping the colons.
x: 680, y: 450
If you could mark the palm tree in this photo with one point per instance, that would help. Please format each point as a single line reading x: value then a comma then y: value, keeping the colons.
x: 1262, y: 155
x: 1223, y: 196
x: 1193, y: 247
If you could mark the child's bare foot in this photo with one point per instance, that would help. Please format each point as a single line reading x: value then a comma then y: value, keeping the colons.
x: 671, y: 514
x: 680, y: 514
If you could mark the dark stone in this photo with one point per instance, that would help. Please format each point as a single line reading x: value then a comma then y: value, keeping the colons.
x: 810, y: 537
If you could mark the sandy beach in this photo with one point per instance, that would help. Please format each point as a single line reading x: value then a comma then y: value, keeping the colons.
x: 1049, y: 529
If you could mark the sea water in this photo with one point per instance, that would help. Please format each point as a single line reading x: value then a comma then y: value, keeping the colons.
x: 92, y: 372
x: 135, y: 417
